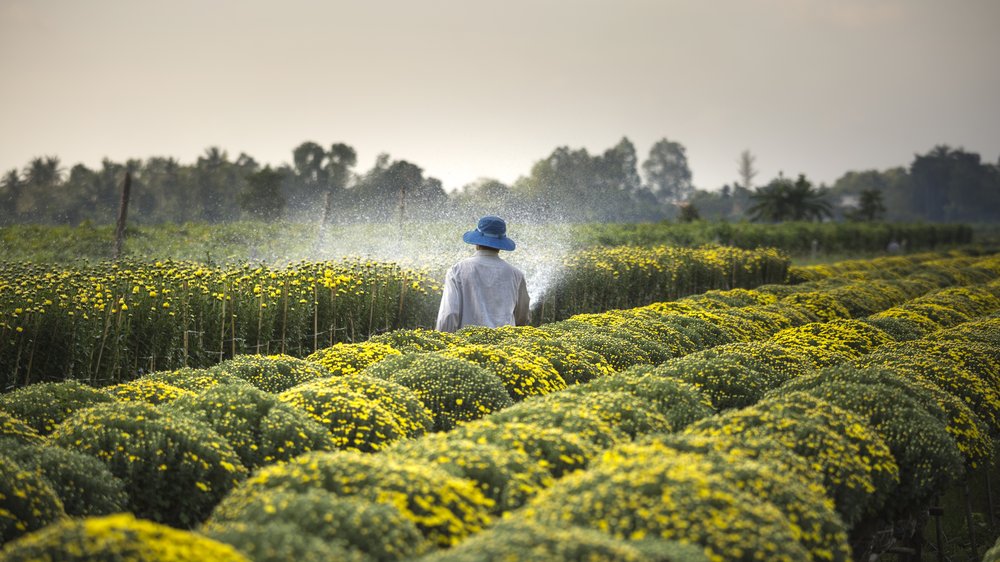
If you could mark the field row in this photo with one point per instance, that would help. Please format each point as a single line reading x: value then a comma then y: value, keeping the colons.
x: 572, y: 429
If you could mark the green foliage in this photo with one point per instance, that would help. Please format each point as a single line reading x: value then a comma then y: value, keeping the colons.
x: 83, y: 484
x: 601, y: 416
x: 857, y: 468
x: 454, y: 390
x: 175, y: 469
x: 523, y: 373
x: 13, y: 428
x: 273, y: 373
x: 373, y: 531
x: 573, y: 363
x: 673, y: 497
x: 27, y: 502
x: 354, y: 421
x: 785, y: 200
x: 446, y: 509
x: 146, y: 390
x: 680, y: 403
x: 726, y: 381
x: 418, y: 339
x: 551, y: 448
x: 114, y: 538
x: 278, y: 542
x: 260, y: 428
x: 194, y: 380
x: 45, y: 405
x: 528, y: 540
x: 350, y: 358
x: 508, y: 477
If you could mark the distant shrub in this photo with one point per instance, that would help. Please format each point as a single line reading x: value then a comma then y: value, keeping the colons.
x: 260, y: 428
x: 117, y: 537
x: 175, y: 469
x: 147, y: 391
x: 271, y: 373
x: 349, y: 358
x: 45, y: 405
x: 83, y: 484
x: 195, y: 380
x: 552, y: 448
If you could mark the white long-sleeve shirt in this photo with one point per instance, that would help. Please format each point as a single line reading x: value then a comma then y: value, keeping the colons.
x: 483, y: 290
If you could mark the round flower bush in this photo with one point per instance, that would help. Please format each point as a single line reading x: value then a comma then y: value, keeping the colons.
x: 13, y: 428
x: 981, y: 359
x: 657, y: 339
x: 349, y: 358
x: 858, y: 470
x: 195, y: 380
x: 702, y: 333
x: 399, y: 401
x: 771, y: 361
x: 416, y: 340
x: 567, y: 414
x: 27, y: 502
x: 82, y: 483
x: 260, y: 428
x: 499, y: 335
x: 551, y: 448
x: 354, y: 421
x: 669, y: 497
x: 897, y: 327
x: 927, y: 456
x: 950, y: 376
x: 619, y: 351
x: 941, y: 314
x: 735, y: 329
x: 454, y: 390
x: 758, y: 323
x: 833, y: 342
x: 573, y: 363
x: 523, y: 374
x: 508, y: 477
x: 628, y: 413
x: 377, y: 532
x: 175, y: 469
x: 813, y: 520
x: 983, y: 331
x: 45, y: 405
x: 279, y: 542
x: 446, y: 509
x: 819, y: 304
x: 522, y: 540
x: 147, y: 391
x: 271, y: 373
x: 726, y: 381
x: 735, y: 297
x: 863, y: 299
x: 113, y: 538
x: 680, y: 403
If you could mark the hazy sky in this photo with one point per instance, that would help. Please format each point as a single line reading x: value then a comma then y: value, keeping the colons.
x: 466, y: 88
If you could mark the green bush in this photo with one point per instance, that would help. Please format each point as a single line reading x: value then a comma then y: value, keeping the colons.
x: 678, y: 402
x: 175, y: 469
x: 508, y: 477
x: 354, y: 421
x: 928, y: 458
x: 260, y: 428
x: 673, y: 497
x: 377, y: 532
x: 416, y: 340
x: 523, y: 374
x: 573, y: 363
x: 146, y: 391
x: 27, y: 502
x: 552, y: 448
x: 13, y: 428
x: 279, y: 542
x: 858, y: 470
x: 769, y: 478
x: 726, y: 381
x: 446, y: 509
x: 832, y: 342
x: 115, y: 538
x: 454, y: 390
x: 588, y: 424
x: 619, y: 351
x: 399, y: 401
x: 83, y: 484
x: 523, y: 540
x: 350, y: 358
x: 195, y: 380
x: 271, y: 373
x: 45, y: 405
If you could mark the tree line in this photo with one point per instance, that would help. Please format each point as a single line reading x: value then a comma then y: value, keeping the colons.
x: 322, y: 183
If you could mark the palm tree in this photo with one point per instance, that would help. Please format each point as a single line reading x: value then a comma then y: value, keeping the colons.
x: 785, y: 200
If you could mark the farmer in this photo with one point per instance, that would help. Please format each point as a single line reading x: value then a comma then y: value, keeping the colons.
x: 484, y: 290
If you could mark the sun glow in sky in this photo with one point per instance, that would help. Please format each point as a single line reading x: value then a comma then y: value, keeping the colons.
x: 468, y: 89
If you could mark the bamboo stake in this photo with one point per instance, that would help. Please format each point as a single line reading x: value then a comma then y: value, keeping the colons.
x: 122, y: 216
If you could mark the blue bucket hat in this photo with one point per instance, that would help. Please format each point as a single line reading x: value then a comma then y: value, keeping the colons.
x: 491, y: 232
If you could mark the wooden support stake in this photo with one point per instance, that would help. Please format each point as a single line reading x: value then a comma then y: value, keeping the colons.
x: 122, y: 216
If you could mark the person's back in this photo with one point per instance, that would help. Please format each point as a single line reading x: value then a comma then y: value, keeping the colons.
x: 484, y: 290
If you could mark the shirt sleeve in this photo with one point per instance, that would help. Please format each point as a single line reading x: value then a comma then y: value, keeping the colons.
x: 522, y: 310
x: 450, y: 312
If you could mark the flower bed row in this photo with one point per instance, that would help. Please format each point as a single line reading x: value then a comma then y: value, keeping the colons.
x: 213, y: 425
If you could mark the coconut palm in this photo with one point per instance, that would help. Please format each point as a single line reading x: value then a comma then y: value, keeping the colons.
x: 785, y: 200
